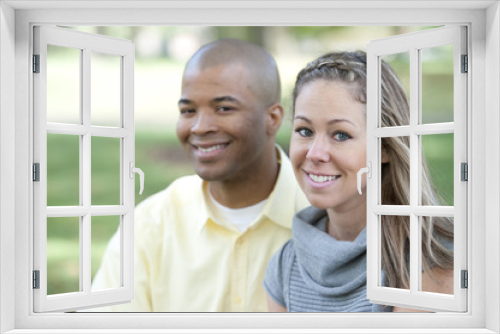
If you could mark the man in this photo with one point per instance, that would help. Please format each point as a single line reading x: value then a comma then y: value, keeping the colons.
x: 202, y: 244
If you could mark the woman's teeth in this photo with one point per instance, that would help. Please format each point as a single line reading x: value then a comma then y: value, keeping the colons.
x: 322, y: 178
x: 210, y: 149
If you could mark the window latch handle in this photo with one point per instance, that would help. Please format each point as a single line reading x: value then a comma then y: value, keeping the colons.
x: 134, y: 170
x: 368, y: 171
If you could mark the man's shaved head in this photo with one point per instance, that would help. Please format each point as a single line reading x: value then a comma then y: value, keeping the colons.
x: 265, y: 81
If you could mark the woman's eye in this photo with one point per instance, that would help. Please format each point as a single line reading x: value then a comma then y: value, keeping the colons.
x: 341, y: 136
x: 304, y: 132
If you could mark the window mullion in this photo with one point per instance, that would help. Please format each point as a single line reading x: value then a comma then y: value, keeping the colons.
x: 406, y: 210
x: 85, y: 179
x: 85, y: 154
x: 414, y: 169
x: 420, y: 129
x: 433, y: 129
x: 80, y: 211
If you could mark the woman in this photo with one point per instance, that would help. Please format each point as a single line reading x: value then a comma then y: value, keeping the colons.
x: 323, y: 268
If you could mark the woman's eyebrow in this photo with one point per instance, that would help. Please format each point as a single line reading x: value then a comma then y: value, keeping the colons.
x: 305, y: 119
x: 333, y: 121
x: 339, y: 120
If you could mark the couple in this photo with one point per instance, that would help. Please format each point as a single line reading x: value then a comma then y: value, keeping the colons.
x: 221, y: 240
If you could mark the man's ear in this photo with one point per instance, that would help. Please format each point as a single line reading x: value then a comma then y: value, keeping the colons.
x: 385, y: 156
x: 274, y: 117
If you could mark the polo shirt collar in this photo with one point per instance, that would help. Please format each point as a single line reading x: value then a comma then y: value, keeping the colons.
x: 280, y: 207
x: 205, y: 214
x: 277, y: 208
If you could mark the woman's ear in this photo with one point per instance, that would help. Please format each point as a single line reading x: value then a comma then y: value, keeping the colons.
x: 274, y: 117
x: 385, y: 156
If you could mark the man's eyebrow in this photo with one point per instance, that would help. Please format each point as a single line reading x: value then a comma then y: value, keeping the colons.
x: 227, y: 98
x: 336, y: 120
x: 185, y: 101
x: 215, y: 100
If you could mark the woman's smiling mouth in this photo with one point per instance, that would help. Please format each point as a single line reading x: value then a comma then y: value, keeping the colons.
x: 321, y: 180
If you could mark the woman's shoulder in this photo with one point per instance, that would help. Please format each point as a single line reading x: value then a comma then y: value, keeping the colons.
x: 285, y: 255
x: 277, y: 273
x: 281, y: 262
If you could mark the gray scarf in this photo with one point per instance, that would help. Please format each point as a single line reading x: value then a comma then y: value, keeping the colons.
x: 328, y: 266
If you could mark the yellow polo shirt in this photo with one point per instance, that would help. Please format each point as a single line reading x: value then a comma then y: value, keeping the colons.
x: 186, y: 261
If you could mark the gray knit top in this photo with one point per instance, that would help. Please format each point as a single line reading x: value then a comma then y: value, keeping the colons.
x: 314, y: 272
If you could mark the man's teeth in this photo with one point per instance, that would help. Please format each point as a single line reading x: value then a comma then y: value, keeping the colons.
x: 322, y: 178
x: 210, y: 149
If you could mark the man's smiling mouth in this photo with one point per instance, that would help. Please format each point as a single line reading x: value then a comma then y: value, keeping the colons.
x: 210, y: 148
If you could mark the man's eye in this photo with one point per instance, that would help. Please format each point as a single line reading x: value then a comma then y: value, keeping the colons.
x: 224, y: 108
x: 341, y: 136
x: 187, y: 111
x: 304, y: 132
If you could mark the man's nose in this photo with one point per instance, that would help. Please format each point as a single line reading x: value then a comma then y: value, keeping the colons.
x: 204, y: 123
x: 318, y: 151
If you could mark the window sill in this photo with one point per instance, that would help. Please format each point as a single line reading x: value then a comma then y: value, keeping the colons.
x: 256, y: 331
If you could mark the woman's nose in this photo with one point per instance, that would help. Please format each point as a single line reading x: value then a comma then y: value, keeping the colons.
x: 318, y: 151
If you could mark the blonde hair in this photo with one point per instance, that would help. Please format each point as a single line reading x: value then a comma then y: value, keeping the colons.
x: 350, y: 68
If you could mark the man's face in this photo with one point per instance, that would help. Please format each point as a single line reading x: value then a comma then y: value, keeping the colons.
x: 222, y: 123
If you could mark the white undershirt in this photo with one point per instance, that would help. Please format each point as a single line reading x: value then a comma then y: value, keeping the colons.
x: 240, y: 218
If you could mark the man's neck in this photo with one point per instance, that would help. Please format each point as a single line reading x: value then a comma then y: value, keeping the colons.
x: 249, y: 191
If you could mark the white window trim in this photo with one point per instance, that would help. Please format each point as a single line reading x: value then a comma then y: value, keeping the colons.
x: 123, y: 51
x: 483, y: 17
x: 412, y: 45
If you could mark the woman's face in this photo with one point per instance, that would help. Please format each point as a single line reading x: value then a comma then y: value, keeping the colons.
x: 328, y: 145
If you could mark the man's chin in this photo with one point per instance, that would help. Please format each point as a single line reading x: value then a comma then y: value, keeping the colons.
x: 209, y: 175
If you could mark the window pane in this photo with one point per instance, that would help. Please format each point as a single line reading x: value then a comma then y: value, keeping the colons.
x: 437, y: 84
x: 103, y: 228
x: 63, y: 85
x: 63, y: 170
x: 105, y: 171
x: 437, y: 183
x: 400, y: 63
x: 63, y: 255
x: 395, y: 183
x: 106, y: 89
x: 437, y: 254
x: 395, y: 243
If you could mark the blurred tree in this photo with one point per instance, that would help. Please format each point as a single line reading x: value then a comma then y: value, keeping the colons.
x: 253, y: 34
x: 315, y: 31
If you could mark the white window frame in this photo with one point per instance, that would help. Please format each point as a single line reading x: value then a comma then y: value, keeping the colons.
x: 412, y: 44
x: 16, y: 21
x: 85, y: 43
